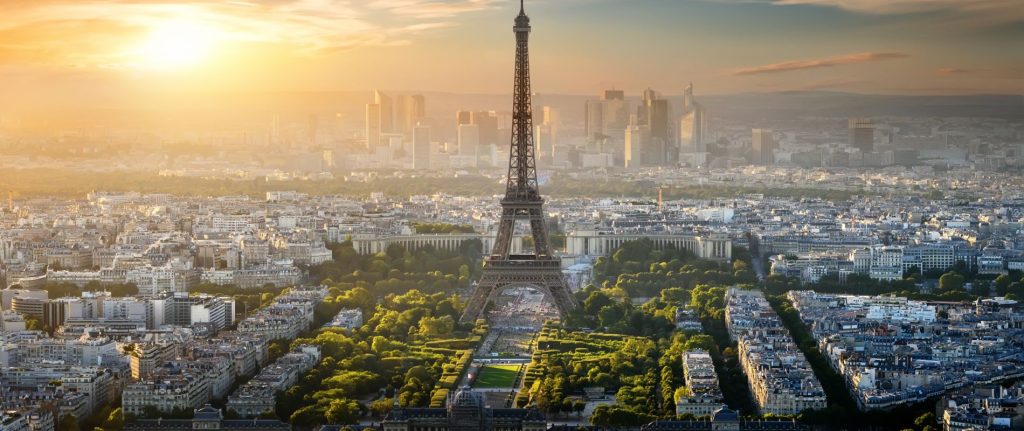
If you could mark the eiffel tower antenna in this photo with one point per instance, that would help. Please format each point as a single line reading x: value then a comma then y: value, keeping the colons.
x: 522, y: 201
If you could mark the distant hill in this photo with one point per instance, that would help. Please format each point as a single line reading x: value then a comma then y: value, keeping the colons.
x: 831, y: 104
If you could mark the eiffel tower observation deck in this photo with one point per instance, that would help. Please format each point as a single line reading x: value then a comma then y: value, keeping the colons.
x: 522, y: 202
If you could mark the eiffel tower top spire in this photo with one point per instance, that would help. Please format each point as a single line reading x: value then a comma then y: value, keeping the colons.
x: 522, y: 21
x: 522, y: 170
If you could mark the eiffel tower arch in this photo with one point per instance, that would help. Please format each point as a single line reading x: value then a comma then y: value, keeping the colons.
x: 522, y: 202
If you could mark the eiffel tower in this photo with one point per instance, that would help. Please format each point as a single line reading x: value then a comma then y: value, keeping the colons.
x: 522, y: 201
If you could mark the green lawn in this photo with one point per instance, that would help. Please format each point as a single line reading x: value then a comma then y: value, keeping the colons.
x: 497, y: 376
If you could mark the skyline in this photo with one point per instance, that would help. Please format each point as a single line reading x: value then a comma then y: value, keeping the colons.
x: 58, y: 50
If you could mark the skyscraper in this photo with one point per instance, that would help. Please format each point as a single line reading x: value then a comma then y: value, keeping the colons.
x: 763, y: 143
x: 689, y: 103
x: 550, y: 115
x: 545, y: 140
x: 469, y: 140
x: 614, y: 95
x: 373, y: 126
x: 862, y: 134
x: 488, y: 124
x: 693, y: 126
x: 593, y: 119
x: 616, y: 116
x: 653, y: 112
x: 637, y: 145
x: 421, y: 147
x: 606, y: 117
x: 387, y: 113
x: 409, y: 111
x: 549, y: 127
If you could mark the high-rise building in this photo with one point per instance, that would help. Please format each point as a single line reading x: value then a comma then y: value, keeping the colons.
x: 551, y: 115
x: 463, y: 117
x: 616, y: 116
x: 469, y: 140
x: 409, y: 112
x: 607, y: 117
x: 763, y: 143
x: 421, y: 147
x: 691, y: 132
x: 387, y: 113
x: 373, y: 126
x: 544, y: 136
x: 693, y: 127
x: 327, y: 161
x: 637, y: 142
x: 653, y: 112
x: 862, y: 134
x: 593, y: 119
x: 549, y: 128
x: 488, y: 124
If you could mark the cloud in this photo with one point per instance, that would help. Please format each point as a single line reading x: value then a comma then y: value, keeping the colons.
x: 995, y: 73
x: 788, y: 66
x: 98, y: 33
x: 982, y: 11
x: 952, y: 71
x: 432, y: 8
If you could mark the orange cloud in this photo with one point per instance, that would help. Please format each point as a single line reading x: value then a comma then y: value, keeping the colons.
x: 432, y: 9
x: 96, y: 33
x: 981, y: 11
x: 788, y: 66
x: 1005, y: 72
x: 954, y: 71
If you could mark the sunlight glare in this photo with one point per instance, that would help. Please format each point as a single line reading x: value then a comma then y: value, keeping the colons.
x: 176, y: 45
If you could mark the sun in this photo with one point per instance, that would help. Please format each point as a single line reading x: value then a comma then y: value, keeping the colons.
x: 176, y: 45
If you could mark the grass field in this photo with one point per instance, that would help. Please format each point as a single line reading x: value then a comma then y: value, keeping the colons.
x: 497, y: 376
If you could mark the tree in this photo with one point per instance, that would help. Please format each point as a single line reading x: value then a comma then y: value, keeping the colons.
x: 276, y: 349
x: 927, y: 419
x: 1003, y: 284
x: 605, y: 415
x: 381, y: 408
x: 951, y: 282
x: 595, y: 302
x: 578, y: 406
x: 31, y: 323
x: 343, y: 411
x: 307, y: 416
x: 981, y: 288
x: 675, y: 295
x: 115, y: 420
x: 435, y: 326
x: 68, y: 423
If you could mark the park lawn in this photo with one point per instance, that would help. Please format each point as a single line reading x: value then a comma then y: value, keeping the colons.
x: 497, y: 376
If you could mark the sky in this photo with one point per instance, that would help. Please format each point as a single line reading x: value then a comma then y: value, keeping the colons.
x: 57, y: 51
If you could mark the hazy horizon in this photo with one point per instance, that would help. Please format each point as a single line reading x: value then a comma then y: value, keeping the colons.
x: 59, y: 52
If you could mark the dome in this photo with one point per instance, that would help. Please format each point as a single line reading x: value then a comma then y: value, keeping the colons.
x: 465, y: 397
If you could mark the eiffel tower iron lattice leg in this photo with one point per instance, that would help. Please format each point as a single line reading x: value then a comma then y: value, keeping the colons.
x: 522, y: 201
x: 544, y: 276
